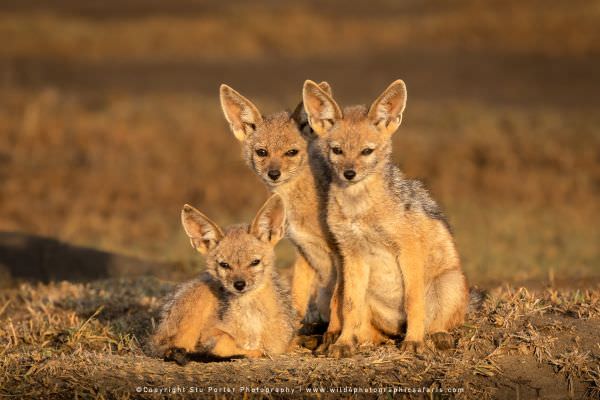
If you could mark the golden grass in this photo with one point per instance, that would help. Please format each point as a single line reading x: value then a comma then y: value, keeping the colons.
x: 111, y: 168
x: 90, y: 339
x: 248, y: 31
x: 112, y: 171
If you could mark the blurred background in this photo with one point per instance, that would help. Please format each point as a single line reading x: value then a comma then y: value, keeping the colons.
x: 110, y: 121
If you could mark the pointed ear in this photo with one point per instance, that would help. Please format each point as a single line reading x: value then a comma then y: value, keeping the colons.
x: 242, y: 115
x: 386, y: 111
x: 299, y: 115
x: 203, y: 233
x: 326, y: 88
x: 269, y: 223
x: 320, y: 107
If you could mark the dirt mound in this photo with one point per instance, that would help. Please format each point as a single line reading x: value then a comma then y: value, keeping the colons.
x: 62, y: 338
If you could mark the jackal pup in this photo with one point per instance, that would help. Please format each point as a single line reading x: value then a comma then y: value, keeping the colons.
x: 400, y: 264
x: 238, y: 307
x: 280, y: 149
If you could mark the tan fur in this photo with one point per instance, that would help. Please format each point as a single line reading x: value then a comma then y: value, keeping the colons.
x: 400, y: 264
x: 210, y: 314
x: 303, y: 186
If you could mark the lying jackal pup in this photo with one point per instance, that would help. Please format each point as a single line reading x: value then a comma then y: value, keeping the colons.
x: 238, y: 307
x: 400, y: 264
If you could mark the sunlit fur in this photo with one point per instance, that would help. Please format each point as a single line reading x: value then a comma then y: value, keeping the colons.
x: 303, y: 186
x: 277, y: 134
x: 353, y: 135
x: 400, y: 264
x: 210, y: 315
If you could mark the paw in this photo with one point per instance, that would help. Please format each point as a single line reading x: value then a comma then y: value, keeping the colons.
x: 178, y: 355
x: 308, y: 342
x: 340, y: 350
x: 442, y: 340
x: 255, y: 354
x: 329, y: 338
x: 412, y: 346
x: 315, y: 328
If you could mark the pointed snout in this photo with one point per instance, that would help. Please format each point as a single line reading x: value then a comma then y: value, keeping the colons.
x: 274, y: 174
x: 239, y: 285
x: 349, y: 174
x: 274, y: 170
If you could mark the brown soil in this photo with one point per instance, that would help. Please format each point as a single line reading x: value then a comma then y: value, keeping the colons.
x: 90, y: 339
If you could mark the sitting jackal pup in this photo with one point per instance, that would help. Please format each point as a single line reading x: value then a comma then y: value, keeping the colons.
x: 400, y: 264
x: 280, y: 149
x: 238, y: 307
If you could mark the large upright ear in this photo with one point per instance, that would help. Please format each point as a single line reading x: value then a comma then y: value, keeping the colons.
x: 242, y: 115
x: 269, y: 223
x: 386, y: 111
x: 299, y: 115
x: 326, y: 88
x: 203, y: 233
x: 320, y: 107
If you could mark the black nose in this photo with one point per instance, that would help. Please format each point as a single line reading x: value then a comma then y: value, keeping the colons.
x: 274, y: 174
x: 239, y: 285
x: 349, y: 174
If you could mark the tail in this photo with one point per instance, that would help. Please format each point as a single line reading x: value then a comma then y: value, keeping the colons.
x: 476, y: 298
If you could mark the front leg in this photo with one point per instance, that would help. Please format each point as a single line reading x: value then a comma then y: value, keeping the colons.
x: 185, y: 317
x: 302, y: 285
x: 354, y: 285
x: 411, y: 263
x: 335, y: 320
x: 221, y: 345
x: 177, y: 354
x: 224, y: 346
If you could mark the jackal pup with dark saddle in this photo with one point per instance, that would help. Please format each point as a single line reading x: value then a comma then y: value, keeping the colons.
x: 238, y: 306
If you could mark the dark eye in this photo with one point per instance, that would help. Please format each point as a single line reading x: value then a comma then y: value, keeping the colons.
x: 291, y: 153
x: 337, y: 150
x: 262, y: 153
x: 224, y: 265
x: 254, y: 263
x: 366, y: 151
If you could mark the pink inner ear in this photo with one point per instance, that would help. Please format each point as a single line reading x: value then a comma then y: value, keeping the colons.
x: 241, y: 110
x: 238, y: 114
x: 316, y: 103
x: 194, y: 229
x: 319, y: 105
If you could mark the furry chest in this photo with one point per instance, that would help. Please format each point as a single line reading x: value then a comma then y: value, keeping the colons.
x: 362, y: 221
x: 385, y: 276
x: 362, y: 232
x: 385, y: 294
x: 354, y: 212
x: 245, y: 322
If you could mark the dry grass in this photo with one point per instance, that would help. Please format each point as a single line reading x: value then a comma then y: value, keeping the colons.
x: 90, y: 339
x: 101, y: 141
x: 520, y: 197
x: 249, y: 31
x: 110, y: 168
